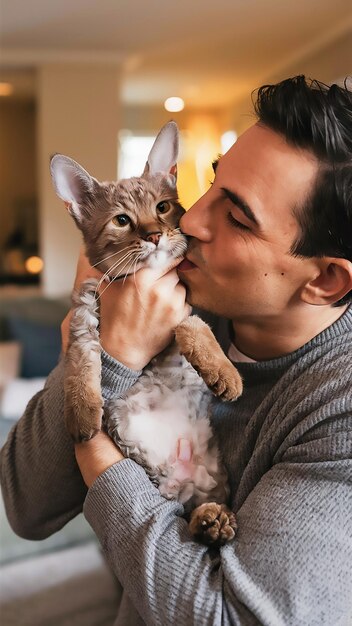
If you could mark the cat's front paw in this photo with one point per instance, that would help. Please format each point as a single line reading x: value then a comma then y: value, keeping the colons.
x: 224, y: 381
x: 213, y: 524
x: 83, y: 429
x: 199, y: 346
x: 83, y: 413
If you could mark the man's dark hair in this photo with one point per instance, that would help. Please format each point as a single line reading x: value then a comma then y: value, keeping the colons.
x: 317, y: 117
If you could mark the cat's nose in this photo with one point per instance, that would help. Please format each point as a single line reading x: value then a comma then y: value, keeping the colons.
x: 153, y: 237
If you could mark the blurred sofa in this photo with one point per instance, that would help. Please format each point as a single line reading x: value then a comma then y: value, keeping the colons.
x: 62, y: 580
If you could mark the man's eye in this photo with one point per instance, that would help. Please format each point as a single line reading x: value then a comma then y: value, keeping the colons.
x: 163, y: 207
x: 236, y: 223
x: 121, y: 220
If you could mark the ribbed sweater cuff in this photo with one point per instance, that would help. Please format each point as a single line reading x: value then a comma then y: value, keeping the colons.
x: 116, y: 378
x: 120, y: 499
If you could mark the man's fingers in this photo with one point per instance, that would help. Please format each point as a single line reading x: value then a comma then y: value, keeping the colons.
x: 149, y: 276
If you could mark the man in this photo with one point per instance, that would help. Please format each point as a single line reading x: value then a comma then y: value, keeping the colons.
x: 270, y: 250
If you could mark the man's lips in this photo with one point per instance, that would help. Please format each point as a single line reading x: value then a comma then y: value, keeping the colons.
x: 186, y: 265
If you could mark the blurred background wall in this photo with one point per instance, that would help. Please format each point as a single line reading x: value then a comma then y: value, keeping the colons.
x: 90, y: 79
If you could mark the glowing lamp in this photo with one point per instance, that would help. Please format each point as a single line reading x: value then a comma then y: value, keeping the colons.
x: 34, y: 265
x: 174, y: 104
x: 6, y: 89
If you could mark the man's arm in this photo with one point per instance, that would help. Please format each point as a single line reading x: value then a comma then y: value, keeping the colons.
x: 289, y: 564
x: 41, y: 483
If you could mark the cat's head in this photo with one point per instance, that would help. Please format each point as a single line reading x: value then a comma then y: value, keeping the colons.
x: 131, y: 223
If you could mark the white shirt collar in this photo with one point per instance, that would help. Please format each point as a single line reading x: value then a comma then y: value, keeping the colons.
x: 238, y: 357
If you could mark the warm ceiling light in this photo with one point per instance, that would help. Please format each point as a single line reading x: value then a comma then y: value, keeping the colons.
x: 34, y: 265
x: 227, y: 140
x: 6, y: 89
x: 174, y: 104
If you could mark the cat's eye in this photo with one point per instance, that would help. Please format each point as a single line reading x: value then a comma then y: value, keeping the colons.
x: 121, y: 220
x: 163, y: 206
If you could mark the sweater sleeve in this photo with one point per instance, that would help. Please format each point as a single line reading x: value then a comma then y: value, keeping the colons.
x: 288, y: 566
x: 41, y: 484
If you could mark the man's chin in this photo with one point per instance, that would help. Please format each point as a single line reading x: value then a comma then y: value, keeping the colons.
x: 190, y: 299
x: 195, y: 300
x: 193, y: 297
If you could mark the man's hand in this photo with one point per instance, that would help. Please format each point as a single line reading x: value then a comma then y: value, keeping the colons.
x: 137, y: 316
x: 95, y: 456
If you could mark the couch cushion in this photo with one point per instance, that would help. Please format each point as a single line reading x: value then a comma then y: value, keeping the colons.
x: 37, y: 309
x: 16, y: 395
x: 41, y: 345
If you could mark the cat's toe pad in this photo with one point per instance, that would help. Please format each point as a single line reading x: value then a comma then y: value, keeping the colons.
x: 213, y: 524
x: 225, y: 382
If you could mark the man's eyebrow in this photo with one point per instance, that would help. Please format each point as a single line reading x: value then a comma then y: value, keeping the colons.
x: 235, y: 198
x: 241, y: 204
x: 215, y: 163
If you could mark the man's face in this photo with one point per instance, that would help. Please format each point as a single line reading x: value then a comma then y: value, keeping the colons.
x: 242, y: 229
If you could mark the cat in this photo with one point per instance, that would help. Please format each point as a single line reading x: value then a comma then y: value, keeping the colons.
x: 163, y: 421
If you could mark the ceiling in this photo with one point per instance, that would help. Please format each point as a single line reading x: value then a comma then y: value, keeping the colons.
x: 209, y: 52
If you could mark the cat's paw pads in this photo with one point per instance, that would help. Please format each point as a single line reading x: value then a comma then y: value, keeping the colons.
x: 213, y: 524
x: 225, y: 382
x: 79, y: 435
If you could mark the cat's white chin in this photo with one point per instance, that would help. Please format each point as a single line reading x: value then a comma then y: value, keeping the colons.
x: 158, y: 259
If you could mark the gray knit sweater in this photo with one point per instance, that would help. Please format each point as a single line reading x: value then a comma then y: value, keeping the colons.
x: 287, y: 445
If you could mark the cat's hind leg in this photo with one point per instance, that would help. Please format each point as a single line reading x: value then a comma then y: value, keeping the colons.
x: 83, y: 400
x: 213, y: 524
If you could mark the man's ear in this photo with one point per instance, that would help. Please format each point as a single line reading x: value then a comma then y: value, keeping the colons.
x: 332, y: 283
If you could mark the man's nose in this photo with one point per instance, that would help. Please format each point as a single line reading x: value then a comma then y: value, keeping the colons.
x: 196, y: 221
x: 154, y: 237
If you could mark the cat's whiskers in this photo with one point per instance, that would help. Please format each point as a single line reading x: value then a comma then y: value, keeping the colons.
x: 101, y: 293
x: 125, y: 258
x: 127, y: 261
x: 107, y: 273
x: 134, y: 266
x: 179, y: 247
x: 116, y: 264
x: 139, y: 293
x: 134, y: 261
x: 111, y: 255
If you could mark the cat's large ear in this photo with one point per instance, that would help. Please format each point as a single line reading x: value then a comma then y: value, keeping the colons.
x: 164, y: 153
x: 71, y: 182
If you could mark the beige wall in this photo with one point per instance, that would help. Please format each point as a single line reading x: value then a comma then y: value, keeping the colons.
x: 17, y: 160
x: 78, y: 115
x: 332, y: 62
